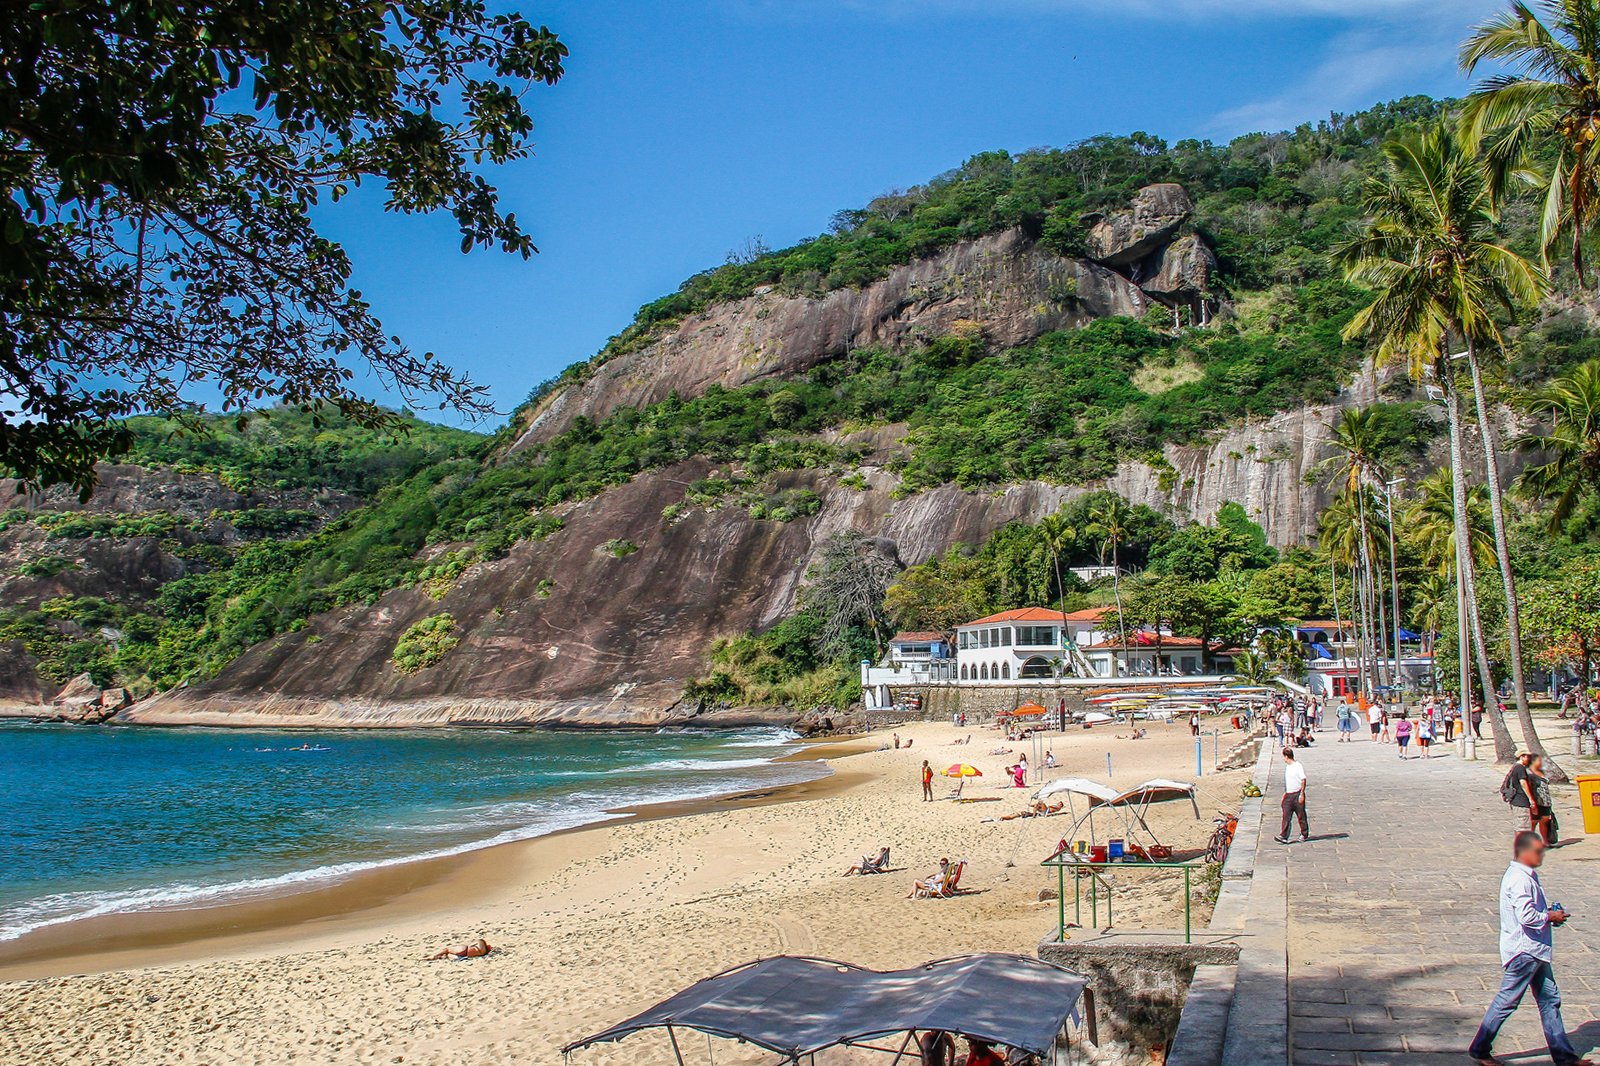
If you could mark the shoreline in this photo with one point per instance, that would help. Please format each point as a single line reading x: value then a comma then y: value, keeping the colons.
x: 402, y: 890
x: 593, y: 925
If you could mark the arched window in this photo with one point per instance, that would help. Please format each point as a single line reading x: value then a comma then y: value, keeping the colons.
x: 1037, y: 666
x: 963, y: 671
x: 1005, y: 671
x: 983, y: 672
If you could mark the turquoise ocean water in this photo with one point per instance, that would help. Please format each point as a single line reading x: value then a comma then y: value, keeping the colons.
x: 105, y: 820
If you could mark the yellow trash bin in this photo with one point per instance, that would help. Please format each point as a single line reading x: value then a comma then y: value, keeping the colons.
x: 1589, y: 799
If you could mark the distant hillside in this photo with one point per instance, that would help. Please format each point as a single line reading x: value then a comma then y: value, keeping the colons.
x: 107, y: 586
x: 1158, y: 320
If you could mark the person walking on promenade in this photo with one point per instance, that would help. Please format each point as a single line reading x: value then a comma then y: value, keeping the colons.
x: 1374, y: 719
x: 1294, y: 798
x: 1526, y: 952
x: 927, y: 782
x: 1517, y: 790
x: 1402, y: 734
x: 1543, y: 813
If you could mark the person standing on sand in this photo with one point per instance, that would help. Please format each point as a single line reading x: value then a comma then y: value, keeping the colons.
x: 897, y: 742
x: 1294, y: 798
x: 938, y: 1049
x: 927, y: 782
x: 1527, y: 950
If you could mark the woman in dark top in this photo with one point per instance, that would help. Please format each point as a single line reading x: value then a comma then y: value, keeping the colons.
x: 1544, y: 810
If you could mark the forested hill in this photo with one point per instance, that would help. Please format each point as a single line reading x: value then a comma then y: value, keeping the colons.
x: 1161, y: 320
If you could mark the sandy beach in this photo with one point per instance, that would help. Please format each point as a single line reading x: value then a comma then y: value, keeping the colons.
x: 592, y: 925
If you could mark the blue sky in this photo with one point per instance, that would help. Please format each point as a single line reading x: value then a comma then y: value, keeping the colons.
x: 681, y: 130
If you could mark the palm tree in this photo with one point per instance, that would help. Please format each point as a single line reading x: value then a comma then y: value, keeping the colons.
x: 1572, y: 403
x: 1555, y: 96
x: 1059, y: 537
x: 1251, y: 667
x: 1344, y: 534
x: 1428, y: 252
x: 1355, y: 437
x: 1430, y: 523
x: 1110, y: 521
x: 1430, y: 605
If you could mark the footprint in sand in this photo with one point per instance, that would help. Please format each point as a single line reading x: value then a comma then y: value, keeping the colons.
x: 794, y: 935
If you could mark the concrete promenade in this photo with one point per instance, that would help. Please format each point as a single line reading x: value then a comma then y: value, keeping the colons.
x: 1391, y: 911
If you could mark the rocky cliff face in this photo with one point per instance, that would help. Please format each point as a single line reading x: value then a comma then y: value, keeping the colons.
x: 37, y: 566
x: 1016, y: 289
x: 613, y: 640
x: 563, y: 631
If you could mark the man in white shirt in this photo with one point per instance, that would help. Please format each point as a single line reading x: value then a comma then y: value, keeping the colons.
x: 1294, y: 797
x: 1526, y: 951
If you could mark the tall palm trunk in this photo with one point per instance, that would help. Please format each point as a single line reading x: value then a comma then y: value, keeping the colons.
x: 1504, y: 747
x: 1122, y: 627
x: 1502, y: 550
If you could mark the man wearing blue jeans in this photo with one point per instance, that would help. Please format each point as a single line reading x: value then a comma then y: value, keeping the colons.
x: 1526, y: 951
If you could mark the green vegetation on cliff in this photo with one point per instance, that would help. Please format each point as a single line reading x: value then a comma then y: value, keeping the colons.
x: 286, y: 448
x: 1270, y: 203
x: 1067, y: 407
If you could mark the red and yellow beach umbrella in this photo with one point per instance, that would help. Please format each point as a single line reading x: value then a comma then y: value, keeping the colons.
x: 961, y: 769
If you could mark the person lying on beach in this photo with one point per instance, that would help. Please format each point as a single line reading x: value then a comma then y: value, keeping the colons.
x: 1000, y: 751
x: 475, y: 950
x: 1138, y: 734
x: 870, y: 865
x: 1039, y: 808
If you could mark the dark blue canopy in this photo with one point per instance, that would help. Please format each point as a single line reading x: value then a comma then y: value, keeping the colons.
x: 796, y: 1006
x: 1406, y: 634
x: 1322, y: 650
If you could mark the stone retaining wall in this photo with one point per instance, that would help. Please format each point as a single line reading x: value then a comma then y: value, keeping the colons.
x: 1140, y: 981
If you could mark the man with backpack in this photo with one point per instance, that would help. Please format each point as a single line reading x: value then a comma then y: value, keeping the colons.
x: 1517, y: 790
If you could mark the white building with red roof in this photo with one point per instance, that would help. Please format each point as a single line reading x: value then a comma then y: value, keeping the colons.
x: 1026, y: 643
x: 1149, y: 654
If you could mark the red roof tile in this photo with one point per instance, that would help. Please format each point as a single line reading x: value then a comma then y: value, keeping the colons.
x: 915, y: 638
x: 1021, y: 614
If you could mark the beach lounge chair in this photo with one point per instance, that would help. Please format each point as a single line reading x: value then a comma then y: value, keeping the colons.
x: 951, y: 885
x: 871, y: 864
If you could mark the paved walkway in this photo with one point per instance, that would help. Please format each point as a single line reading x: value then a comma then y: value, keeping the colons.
x: 1392, y: 911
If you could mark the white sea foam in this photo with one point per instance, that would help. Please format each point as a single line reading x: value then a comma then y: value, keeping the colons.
x: 514, y: 820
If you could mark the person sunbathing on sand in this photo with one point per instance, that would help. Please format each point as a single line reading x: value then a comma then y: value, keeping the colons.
x: 1039, y: 808
x: 933, y: 884
x: 475, y: 950
x: 871, y: 865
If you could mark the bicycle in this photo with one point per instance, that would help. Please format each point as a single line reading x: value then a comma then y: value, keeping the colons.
x: 1222, y: 836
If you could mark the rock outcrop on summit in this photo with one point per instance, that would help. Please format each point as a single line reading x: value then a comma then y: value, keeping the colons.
x: 1152, y: 219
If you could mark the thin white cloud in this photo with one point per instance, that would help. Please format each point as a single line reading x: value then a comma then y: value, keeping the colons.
x: 1381, y: 58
